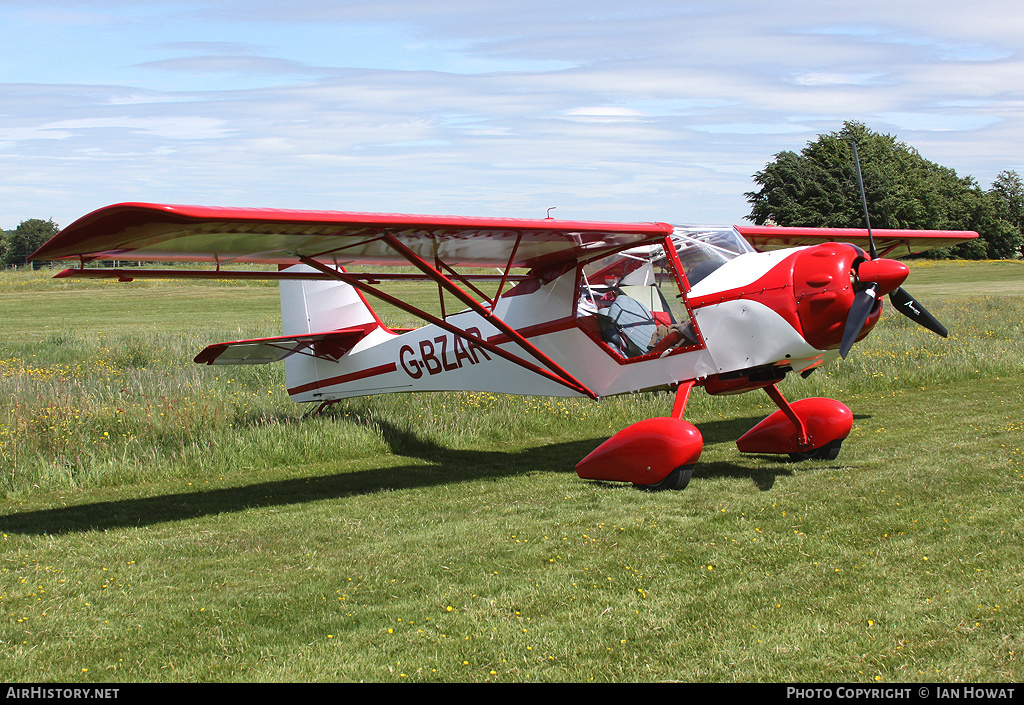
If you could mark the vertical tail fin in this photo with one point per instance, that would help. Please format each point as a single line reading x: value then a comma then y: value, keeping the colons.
x: 316, y: 306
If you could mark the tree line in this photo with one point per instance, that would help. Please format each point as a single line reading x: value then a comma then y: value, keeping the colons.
x: 818, y: 188
x: 16, y: 245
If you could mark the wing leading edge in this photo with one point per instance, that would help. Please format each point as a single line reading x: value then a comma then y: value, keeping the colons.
x: 152, y: 232
x: 890, y: 243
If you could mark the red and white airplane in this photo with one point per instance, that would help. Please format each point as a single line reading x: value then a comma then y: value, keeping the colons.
x: 579, y: 309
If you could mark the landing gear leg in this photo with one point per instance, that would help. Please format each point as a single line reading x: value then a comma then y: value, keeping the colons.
x: 807, y: 429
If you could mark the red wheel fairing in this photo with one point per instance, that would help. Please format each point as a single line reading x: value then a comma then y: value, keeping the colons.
x: 644, y: 453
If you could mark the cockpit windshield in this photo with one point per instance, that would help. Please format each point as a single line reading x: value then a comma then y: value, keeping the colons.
x: 702, y: 250
x: 633, y: 301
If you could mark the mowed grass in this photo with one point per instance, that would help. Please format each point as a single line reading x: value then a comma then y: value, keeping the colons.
x: 165, y: 521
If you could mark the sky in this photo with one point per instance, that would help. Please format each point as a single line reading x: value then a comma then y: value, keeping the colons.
x: 654, y: 110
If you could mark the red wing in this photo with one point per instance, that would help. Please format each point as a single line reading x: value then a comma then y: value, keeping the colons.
x: 890, y: 243
x: 150, y: 232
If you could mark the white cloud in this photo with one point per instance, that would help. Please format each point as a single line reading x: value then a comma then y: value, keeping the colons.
x: 174, y: 128
x: 21, y: 134
x: 823, y: 78
x: 938, y: 122
x: 603, y: 114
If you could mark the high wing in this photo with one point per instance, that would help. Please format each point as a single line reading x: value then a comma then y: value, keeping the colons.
x: 890, y: 243
x: 152, y: 232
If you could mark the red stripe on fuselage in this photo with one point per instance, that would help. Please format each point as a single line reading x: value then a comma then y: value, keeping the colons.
x: 341, y: 379
x: 538, y: 329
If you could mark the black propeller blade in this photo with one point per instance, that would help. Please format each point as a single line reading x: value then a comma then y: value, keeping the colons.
x: 863, y: 303
x: 912, y: 309
x: 864, y: 200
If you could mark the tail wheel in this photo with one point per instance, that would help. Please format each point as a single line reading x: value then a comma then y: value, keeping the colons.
x: 829, y: 451
x: 678, y: 479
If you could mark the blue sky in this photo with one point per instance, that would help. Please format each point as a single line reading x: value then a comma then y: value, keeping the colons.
x: 654, y: 110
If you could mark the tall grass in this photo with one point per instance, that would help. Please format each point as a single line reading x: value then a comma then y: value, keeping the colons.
x: 88, y: 409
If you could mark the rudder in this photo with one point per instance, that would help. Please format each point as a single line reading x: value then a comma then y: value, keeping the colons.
x: 318, y: 306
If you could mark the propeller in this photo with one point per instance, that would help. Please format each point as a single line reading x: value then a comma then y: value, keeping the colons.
x: 880, y: 276
x: 863, y: 303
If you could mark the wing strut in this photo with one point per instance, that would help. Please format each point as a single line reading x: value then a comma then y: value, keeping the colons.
x: 508, y: 268
x: 487, y: 313
x: 558, y: 374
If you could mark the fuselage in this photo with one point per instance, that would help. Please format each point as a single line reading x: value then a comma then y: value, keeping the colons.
x: 744, y: 322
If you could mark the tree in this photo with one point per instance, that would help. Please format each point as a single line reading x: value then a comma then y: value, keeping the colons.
x: 21, y: 242
x: 818, y: 188
x: 1008, y: 194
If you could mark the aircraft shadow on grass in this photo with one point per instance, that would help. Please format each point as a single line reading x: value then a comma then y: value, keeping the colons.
x: 445, y: 466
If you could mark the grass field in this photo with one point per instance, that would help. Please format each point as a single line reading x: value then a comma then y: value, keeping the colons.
x: 164, y: 521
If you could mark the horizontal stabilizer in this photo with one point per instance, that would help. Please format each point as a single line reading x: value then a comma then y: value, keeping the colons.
x: 259, y: 351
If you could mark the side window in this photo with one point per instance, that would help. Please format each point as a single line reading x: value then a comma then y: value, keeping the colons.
x: 633, y: 304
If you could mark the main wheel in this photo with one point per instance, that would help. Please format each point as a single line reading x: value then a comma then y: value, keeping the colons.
x: 829, y: 451
x: 678, y: 479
